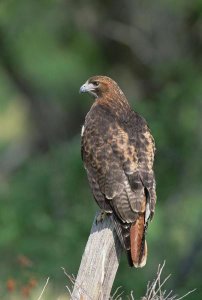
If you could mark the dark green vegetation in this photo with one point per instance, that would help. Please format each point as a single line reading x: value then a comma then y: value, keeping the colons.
x: 48, y: 48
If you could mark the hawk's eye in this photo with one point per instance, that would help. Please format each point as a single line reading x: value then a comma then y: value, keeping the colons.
x: 95, y: 83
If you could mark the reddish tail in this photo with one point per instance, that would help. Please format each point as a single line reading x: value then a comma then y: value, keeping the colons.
x: 138, y: 243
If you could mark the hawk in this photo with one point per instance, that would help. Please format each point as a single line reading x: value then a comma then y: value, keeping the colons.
x: 118, y: 149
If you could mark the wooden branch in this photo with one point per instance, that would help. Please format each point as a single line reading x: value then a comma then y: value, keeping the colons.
x: 99, y: 263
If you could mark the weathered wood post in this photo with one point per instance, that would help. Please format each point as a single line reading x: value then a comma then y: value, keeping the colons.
x: 99, y: 262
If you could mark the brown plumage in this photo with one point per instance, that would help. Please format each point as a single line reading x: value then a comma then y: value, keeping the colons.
x: 118, y: 153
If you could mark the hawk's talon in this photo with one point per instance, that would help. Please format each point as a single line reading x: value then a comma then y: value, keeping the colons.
x: 101, y: 216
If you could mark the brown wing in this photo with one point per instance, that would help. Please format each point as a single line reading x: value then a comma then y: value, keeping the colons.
x: 107, y: 154
x: 119, y: 161
x: 140, y: 137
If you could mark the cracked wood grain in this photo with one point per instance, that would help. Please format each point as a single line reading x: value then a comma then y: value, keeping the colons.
x: 99, y: 262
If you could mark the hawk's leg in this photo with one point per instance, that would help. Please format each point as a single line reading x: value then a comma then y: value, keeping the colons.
x: 102, y: 215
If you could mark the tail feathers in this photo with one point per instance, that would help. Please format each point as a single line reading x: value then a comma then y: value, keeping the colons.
x: 138, y: 243
x: 132, y: 238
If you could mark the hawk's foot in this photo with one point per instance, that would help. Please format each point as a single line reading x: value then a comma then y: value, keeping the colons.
x: 101, y: 216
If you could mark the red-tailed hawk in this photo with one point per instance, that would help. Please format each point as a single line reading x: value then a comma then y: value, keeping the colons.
x: 118, y: 154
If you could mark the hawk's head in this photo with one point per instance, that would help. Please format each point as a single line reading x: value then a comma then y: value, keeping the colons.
x: 100, y: 85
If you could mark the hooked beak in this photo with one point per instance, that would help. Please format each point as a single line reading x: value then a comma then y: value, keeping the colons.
x: 83, y: 88
x: 86, y: 87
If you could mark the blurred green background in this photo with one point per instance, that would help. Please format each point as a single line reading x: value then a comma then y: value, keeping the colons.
x: 48, y: 49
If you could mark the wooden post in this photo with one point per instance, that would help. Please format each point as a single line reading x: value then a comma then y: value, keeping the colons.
x: 99, y: 263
